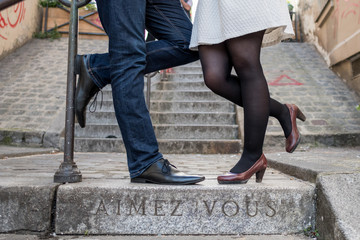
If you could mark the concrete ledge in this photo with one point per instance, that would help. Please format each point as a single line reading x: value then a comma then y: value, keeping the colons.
x: 338, y: 213
x: 117, y: 207
x: 26, y: 204
x: 336, y: 172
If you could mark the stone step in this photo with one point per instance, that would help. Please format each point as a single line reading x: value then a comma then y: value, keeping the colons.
x: 164, y: 131
x: 179, y: 77
x: 170, y: 85
x: 280, y: 205
x: 166, y: 146
x: 200, y: 95
x: 187, y: 69
x: 177, y: 106
x: 169, y: 118
x: 191, y: 106
x: 173, y: 95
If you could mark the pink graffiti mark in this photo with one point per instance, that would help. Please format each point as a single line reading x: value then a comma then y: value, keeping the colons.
x: 13, y: 17
x: 344, y: 9
x: 284, y: 80
x: 97, y: 22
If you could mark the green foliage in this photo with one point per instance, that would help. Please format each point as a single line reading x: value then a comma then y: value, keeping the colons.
x: 91, y: 7
x: 49, y: 3
x: 358, y: 107
x: 6, y: 140
x: 311, y: 232
x: 52, y: 35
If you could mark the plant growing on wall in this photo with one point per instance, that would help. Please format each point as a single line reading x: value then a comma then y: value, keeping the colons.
x: 49, y: 3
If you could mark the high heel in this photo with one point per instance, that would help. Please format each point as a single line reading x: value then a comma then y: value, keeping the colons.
x: 260, y: 175
x: 293, y: 140
x: 240, y: 178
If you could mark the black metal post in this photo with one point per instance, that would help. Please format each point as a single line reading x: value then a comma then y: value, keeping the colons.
x: 148, y: 87
x: 68, y: 171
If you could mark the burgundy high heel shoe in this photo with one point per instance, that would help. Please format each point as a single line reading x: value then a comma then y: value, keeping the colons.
x: 293, y: 140
x: 240, y: 178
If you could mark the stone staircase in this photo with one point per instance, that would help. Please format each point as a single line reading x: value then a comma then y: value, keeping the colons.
x: 187, y: 118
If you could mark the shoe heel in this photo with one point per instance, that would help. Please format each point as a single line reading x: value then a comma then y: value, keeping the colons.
x: 300, y: 115
x: 260, y: 175
x: 138, y: 180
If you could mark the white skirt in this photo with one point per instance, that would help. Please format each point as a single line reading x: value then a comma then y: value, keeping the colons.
x: 218, y: 20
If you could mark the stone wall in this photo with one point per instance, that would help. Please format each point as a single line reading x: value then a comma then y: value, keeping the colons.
x: 333, y: 26
x: 17, y: 25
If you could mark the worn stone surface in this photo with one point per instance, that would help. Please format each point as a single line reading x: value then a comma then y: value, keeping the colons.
x: 26, y: 204
x: 338, y: 213
x: 105, y: 176
x: 117, y: 207
x: 306, y: 163
x: 158, y: 237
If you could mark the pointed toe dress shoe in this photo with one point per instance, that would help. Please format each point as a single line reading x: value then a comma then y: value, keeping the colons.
x: 163, y: 172
x: 85, y: 90
x: 293, y: 140
x: 258, y: 168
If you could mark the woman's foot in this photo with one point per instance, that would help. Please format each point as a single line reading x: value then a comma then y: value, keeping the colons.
x: 293, y: 140
x: 259, y: 168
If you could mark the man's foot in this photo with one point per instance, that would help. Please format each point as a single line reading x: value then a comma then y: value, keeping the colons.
x: 85, y: 90
x: 162, y: 172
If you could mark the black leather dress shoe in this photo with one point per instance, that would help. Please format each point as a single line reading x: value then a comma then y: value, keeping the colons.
x: 162, y: 172
x: 85, y: 90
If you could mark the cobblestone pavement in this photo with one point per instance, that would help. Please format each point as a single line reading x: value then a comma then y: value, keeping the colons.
x: 297, y: 74
x: 33, y: 83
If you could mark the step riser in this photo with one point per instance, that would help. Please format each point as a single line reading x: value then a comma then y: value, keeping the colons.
x: 185, y: 77
x: 117, y: 207
x: 205, y: 95
x: 169, y: 118
x: 165, y: 147
x: 181, y: 95
x: 180, y: 86
x: 191, y: 106
x: 166, y: 106
x: 164, y: 132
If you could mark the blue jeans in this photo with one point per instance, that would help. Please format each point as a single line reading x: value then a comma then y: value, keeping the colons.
x: 129, y: 58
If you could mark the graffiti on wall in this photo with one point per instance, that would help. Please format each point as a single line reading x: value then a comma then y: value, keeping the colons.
x: 11, y: 18
x: 344, y: 9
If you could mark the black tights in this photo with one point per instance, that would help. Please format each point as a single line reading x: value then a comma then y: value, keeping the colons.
x: 248, y: 89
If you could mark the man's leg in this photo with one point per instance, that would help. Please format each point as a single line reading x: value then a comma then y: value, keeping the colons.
x: 166, y: 20
x: 124, y: 22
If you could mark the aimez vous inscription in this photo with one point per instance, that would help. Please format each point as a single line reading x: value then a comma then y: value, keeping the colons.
x: 177, y: 208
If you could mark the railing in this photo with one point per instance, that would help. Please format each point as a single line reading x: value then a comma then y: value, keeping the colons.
x: 68, y: 171
x: 7, y: 3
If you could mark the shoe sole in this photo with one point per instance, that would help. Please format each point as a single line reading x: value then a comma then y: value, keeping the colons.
x: 143, y: 180
x: 233, y: 182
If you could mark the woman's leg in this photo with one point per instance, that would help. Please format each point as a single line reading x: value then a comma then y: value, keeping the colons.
x: 245, y: 55
x: 217, y: 66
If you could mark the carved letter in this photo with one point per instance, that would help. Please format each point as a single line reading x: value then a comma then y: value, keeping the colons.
x: 210, y: 211
x: 101, y: 208
x: 272, y: 208
x: 236, y: 206
x: 158, y: 207
x: 176, y: 208
x: 247, y: 209
x: 142, y: 206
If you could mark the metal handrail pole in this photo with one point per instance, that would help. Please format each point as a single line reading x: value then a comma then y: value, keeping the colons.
x: 148, y: 87
x: 68, y: 171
